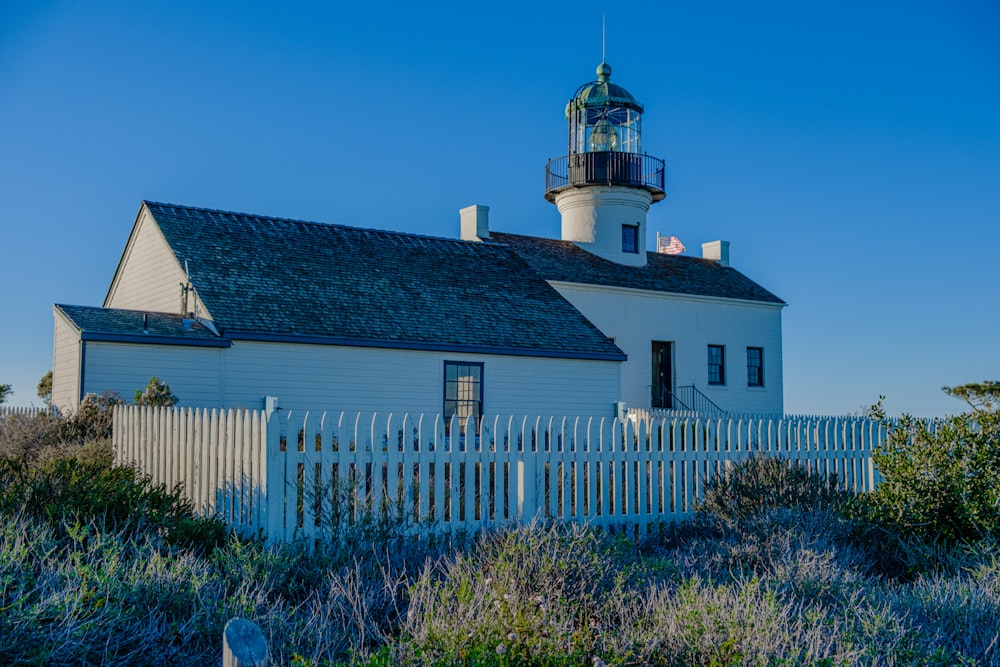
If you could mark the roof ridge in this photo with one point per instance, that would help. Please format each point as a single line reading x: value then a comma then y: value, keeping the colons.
x: 314, y: 223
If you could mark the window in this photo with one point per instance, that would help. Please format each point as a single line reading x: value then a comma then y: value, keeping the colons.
x: 630, y: 239
x: 463, y: 392
x: 755, y: 367
x: 716, y: 364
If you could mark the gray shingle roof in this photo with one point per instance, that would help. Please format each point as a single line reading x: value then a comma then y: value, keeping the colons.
x: 565, y: 262
x: 111, y: 323
x: 260, y: 275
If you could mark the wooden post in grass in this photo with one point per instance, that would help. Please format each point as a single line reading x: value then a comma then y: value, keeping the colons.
x: 243, y: 645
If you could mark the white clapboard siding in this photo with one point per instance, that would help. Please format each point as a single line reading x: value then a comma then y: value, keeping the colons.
x: 66, y: 351
x: 312, y: 475
x: 149, y: 273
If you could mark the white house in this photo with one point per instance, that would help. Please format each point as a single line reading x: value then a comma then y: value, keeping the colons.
x: 230, y: 308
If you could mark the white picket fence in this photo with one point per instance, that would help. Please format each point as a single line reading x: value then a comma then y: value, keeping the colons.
x: 292, y: 475
x: 21, y: 411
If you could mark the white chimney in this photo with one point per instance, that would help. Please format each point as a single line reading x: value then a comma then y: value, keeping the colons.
x: 716, y: 250
x: 475, y: 222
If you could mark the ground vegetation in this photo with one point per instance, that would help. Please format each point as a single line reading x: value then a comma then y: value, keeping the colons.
x: 777, y: 566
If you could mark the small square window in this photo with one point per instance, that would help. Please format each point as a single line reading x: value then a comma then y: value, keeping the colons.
x: 755, y: 367
x: 716, y: 364
x: 630, y: 239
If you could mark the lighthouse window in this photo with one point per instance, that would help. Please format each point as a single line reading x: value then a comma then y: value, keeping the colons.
x: 630, y: 239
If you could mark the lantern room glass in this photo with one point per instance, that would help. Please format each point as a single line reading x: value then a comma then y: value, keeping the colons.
x: 605, y: 128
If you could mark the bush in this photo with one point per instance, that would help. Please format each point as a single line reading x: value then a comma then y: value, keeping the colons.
x: 65, y: 491
x: 156, y: 394
x: 93, y: 418
x: 763, y: 484
x: 25, y: 437
x: 940, y: 480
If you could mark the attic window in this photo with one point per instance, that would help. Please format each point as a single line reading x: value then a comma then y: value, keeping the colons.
x: 630, y: 239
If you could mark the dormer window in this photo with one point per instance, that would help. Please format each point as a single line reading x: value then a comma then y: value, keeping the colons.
x: 630, y: 239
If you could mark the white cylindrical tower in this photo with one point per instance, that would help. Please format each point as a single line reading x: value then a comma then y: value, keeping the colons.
x: 606, y: 184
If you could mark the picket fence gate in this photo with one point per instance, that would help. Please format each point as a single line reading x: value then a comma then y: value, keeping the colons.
x: 289, y: 475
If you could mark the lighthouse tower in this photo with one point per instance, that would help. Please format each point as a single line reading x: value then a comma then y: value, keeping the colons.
x: 606, y: 184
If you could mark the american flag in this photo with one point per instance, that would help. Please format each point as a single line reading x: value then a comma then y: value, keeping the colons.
x: 669, y: 245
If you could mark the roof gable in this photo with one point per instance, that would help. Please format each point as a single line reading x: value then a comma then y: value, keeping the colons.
x: 274, y: 276
x: 564, y: 261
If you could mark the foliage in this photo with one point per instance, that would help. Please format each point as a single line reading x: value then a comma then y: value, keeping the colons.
x: 44, y: 388
x: 96, y: 568
x: 5, y: 391
x: 27, y: 437
x: 93, y: 418
x: 981, y: 396
x: 941, y: 479
x: 762, y: 484
x: 156, y: 394
x: 63, y: 491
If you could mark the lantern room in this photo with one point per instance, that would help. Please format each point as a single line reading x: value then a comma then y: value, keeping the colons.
x: 604, y: 117
x: 605, y: 142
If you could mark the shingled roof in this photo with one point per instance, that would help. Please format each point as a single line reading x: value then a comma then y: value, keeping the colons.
x: 119, y: 324
x: 564, y: 261
x: 272, y: 277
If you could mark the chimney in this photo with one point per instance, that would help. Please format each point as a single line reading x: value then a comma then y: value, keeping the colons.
x: 475, y: 222
x: 716, y: 250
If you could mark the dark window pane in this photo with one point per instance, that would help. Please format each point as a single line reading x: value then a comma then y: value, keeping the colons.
x: 755, y: 367
x: 630, y: 238
x: 716, y: 364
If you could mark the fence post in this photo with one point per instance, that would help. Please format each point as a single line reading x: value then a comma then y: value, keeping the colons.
x: 243, y: 645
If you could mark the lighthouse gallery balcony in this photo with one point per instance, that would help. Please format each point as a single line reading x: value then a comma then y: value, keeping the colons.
x: 605, y: 168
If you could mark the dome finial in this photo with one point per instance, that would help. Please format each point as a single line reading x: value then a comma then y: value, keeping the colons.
x: 603, y: 72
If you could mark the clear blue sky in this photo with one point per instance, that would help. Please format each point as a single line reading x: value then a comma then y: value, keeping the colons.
x: 850, y: 152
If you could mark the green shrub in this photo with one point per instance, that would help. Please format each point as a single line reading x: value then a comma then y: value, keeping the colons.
x: 157, y: 394
x: 940, y: 480
x: 63, y: 491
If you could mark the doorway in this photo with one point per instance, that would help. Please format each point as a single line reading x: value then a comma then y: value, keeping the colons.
x: 663, y: 375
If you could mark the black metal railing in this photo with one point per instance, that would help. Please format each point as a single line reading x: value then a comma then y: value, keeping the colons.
x: 605, y: 168
x: 699, y: 402
x: 664, y: 399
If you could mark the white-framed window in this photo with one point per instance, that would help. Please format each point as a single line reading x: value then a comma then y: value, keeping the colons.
x: 463, y: 392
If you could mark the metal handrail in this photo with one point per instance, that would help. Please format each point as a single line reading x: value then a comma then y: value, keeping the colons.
x: 671, y: 401
x: 605, y: 168
x: 699, y: 402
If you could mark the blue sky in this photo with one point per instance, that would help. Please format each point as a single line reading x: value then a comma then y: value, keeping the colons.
x: 850, y: 152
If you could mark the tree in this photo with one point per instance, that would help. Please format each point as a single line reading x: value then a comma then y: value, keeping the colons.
x: 44, y: 388
x: 5, y: 391
x: 157, y: 393
x: 941, y: 479
x: 981, y: 396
